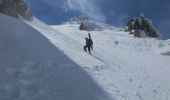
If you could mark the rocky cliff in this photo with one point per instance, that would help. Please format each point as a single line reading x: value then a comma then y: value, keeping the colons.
x: 16, y: 8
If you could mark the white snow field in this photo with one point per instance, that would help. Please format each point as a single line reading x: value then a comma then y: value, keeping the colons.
x: 127, y: 68
x: 42, y: 62
x: 32, y: 68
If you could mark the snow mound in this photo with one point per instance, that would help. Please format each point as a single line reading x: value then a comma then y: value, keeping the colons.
x: 32, y: 68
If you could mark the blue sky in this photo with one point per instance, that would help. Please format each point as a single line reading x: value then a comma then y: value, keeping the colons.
x: 114, y: 12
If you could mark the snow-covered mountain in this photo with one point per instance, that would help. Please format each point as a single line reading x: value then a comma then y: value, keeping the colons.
x: 42, y: 62
x: 88, y: 24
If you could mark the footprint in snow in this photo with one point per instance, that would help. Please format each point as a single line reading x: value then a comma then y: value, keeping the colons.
x: 139, y: 96
x: 99, y: 68
x: 130, y: 80
x: 86, y: 67
x: 154, y: 91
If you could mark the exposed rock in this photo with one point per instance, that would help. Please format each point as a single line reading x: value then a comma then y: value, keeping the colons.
x: 137, y: 33
x: 142, y: 27
x: 16, y: 8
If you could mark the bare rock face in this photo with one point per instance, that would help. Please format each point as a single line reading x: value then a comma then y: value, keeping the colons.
x: 16, y: 8
x: 142, y: 27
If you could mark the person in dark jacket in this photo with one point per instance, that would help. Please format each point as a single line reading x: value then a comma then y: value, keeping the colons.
x: 89, y: 44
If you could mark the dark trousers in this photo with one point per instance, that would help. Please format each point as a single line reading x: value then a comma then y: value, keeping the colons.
x: 87, y: 47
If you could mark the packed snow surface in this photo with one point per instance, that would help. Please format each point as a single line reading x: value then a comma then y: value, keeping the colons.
x: 42, y: 62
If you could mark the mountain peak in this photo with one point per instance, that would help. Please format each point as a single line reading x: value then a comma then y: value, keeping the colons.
x: 89, y: 24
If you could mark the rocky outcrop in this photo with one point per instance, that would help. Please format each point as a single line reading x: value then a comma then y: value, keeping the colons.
x: 85, y: 23
x: 16, y: 8
x: 142, y: 27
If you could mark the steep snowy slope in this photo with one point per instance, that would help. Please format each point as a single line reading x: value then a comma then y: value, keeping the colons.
x: 127, y: 68
x: 32, y: 68
x: 131, y: 69
x: 39, y: 62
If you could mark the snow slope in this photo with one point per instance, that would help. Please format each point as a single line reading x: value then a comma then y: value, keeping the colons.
x: 130, y: 69
x: 32, y: 68
x: 48, y: 63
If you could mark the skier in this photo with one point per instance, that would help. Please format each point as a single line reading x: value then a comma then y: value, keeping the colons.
x: 89, y: 44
